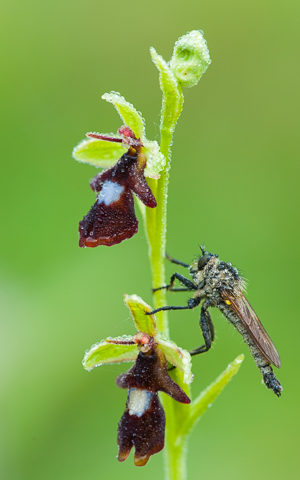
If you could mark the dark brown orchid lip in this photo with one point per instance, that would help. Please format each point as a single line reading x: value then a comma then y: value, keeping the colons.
x: 112, y: 218
x: 143, y: 423
x: 108, y: 240
x: 150, y: 372
x: 143, y: 429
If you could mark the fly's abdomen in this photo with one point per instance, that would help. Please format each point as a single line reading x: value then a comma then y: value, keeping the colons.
x: 260, y: 359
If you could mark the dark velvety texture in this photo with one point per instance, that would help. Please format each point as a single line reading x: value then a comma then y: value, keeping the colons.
x: 109, y: 224
x: 113, y: 223
x: 150, y: 372
x: 146, y: 433
x: 143, y: 423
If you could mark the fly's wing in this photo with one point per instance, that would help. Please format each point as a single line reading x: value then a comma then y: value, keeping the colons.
x: 251, y: 322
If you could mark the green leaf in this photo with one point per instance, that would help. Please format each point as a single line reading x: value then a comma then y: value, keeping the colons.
x: 207, y: 397
x: 178, y: 357
x: 128, y: 113
x: 98, y: 152
x: 172, y: 94
x: 108, y: 352
x: 144, y: 323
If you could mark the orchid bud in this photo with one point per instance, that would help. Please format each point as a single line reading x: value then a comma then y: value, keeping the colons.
x: 190, y: 58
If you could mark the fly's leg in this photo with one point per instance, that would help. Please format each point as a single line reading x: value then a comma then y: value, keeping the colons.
x: 178, y: 262
x: 185, y: 281
x: 266, y: 370
x: 207, y: 328
x: 192, y: 303
x: 272, y: 382
x: 169, y: 287
x: 183, y: 289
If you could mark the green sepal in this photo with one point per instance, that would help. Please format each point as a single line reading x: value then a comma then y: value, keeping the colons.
x: 178, y: 357
x: 208, y: 396
x: 98, y: 152
x: 107, y: 351
x: 172, y: 94
x: 138, y: 308
x: 130, y: 116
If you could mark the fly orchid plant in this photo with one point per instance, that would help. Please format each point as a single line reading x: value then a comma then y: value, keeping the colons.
x: 135, y: 165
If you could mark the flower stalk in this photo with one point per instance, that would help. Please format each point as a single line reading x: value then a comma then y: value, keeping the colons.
x: 156, y: 220
x: 129, y: 157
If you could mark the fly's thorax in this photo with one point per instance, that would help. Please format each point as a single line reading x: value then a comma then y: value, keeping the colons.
x: 198, y: 275
x: 216, y: 276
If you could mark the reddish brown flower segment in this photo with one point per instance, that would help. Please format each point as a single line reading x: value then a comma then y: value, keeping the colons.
x: 143, y: 423
x: 112, y: 218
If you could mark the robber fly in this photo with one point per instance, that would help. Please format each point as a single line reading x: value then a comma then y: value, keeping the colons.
x: 219, y: 285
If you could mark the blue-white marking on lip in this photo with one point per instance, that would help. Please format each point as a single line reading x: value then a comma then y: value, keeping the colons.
x: 110, y: 192
x: 138, y: 401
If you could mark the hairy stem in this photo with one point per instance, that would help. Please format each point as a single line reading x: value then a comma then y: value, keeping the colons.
x: 188, y: 68
x: 156, y: 227
x: 156, y: 230
x: 175, y: 457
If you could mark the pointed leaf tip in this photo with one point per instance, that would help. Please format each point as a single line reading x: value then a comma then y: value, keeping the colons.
x: 98, y: 152
x: 107, y: 352
x: 144, y: 323
x: 209, y: 395
x: 128, y: 113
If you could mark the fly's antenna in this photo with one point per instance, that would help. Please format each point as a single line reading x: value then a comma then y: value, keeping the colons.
x: 202, y: 248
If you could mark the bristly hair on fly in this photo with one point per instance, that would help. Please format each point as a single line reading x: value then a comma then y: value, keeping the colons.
x: 220, y: 284
x: 244, y: 281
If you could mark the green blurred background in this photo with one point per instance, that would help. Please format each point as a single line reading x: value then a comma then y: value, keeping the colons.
x: 234, y: 185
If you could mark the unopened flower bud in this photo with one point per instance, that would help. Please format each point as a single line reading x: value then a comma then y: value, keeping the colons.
x: 190, y: 58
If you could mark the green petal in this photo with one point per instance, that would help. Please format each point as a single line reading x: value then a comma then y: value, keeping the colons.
x: 156, y: 161
x: 107, y: 352
x: 172, y: 94
x: 128, y: 113
x: 144, y: 323
x: 207, y: 397
x: 178, y: 357
x: 98, y: 152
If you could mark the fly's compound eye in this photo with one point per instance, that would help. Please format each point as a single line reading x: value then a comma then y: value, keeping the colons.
x: 203, y: 261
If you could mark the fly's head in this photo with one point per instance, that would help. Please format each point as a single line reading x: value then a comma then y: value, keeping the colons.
x: 202, y: 265
x: 213, y: 275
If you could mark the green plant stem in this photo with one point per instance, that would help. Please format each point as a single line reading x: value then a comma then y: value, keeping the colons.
x: 176, y: 442
x: 175, y: 458
x: 156, y: 219
x: 156, y: 228
x: 181, y: 419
